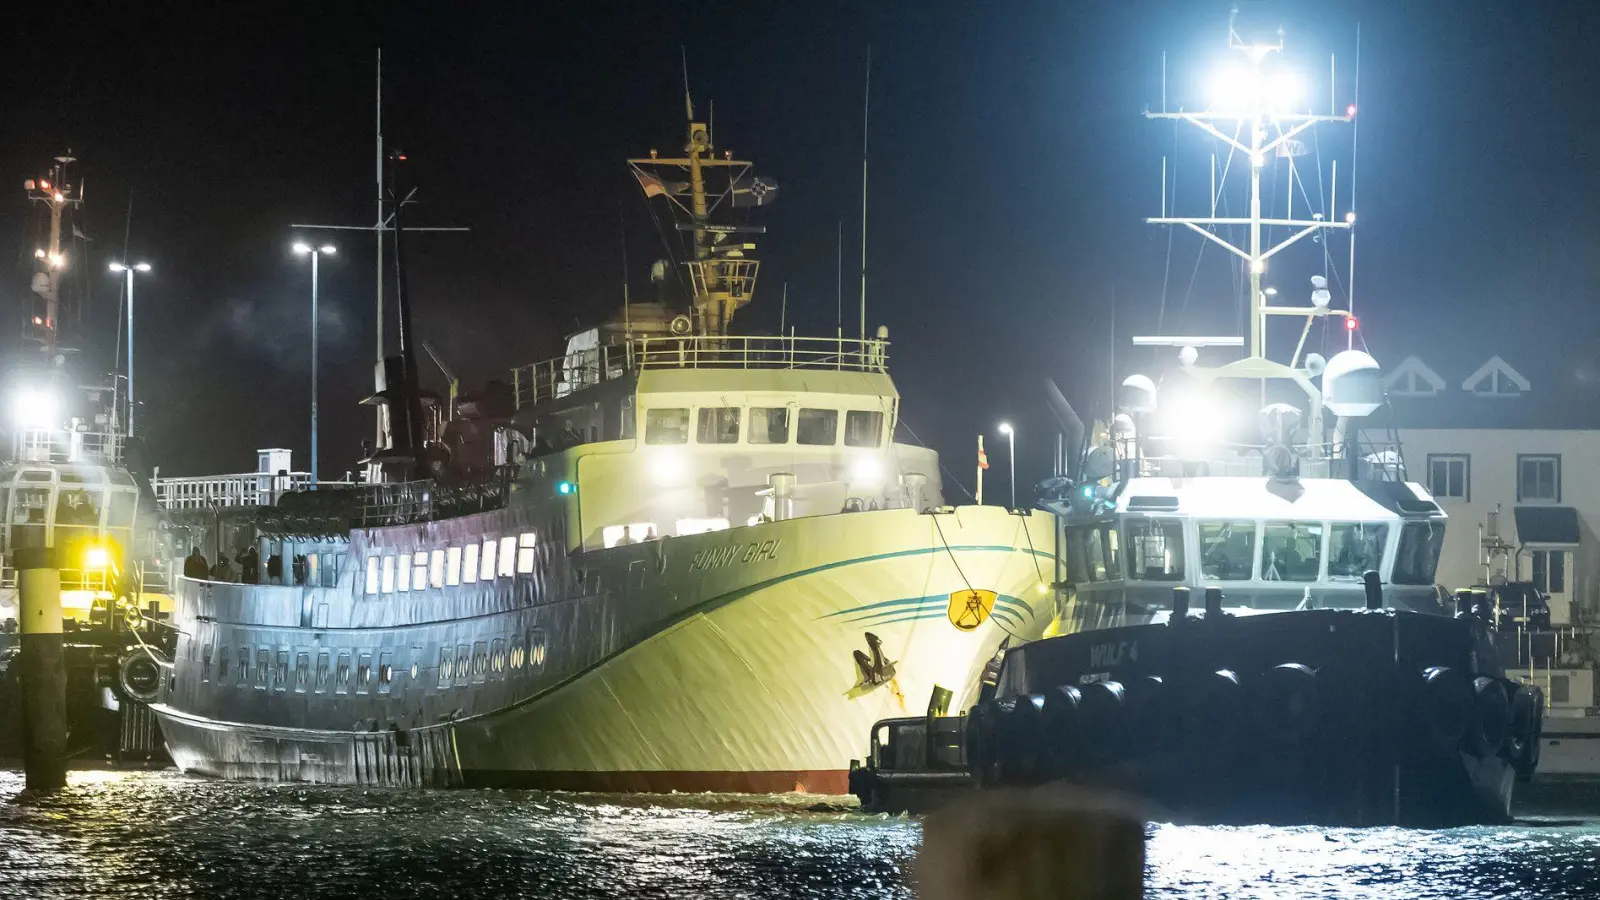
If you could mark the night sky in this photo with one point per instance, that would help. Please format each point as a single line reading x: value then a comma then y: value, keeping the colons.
x: 1010, y: 170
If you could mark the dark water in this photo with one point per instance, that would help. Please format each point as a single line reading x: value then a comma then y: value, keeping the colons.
x: 163, y: 835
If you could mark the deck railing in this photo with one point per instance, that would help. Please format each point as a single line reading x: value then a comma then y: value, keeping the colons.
x: 581, y: 369
x: 242, y: 489
x: 62, y: 445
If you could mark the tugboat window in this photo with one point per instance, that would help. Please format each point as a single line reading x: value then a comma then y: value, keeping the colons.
x: 1291, y: 551
x: 718, y: 425
x: 818, y: 427
x: 863, y: 428
x: 1227, y: 550
x: 1356, y: 548
x: 469, y: 564
x: 1100, y: 553
x: 769, y: 425
x: 1418, y: 555
x: 666, y: 426
x: 1157, y: 546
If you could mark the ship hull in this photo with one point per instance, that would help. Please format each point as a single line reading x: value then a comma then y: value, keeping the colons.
x: 753, y: 684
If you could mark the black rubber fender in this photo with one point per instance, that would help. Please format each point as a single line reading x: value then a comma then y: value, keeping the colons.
x: 1215, y: 713
x: 1152, y: 714
x: 1105, y: 722
x: 1526, y: 731
x: 1491, y: 727
x: 1448, y: 708
x: 1021, y: 742
x: 1288, y: 709
x: 1062, y: 729
x: 983, y: 742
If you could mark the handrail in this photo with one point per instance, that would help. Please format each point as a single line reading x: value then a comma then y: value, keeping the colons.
x: 579, y: 369
x: 238, y: 489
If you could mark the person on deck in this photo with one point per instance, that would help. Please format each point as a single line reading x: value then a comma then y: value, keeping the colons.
x: 275, y: 569
x: 249, y: 565
x: 195, y: 565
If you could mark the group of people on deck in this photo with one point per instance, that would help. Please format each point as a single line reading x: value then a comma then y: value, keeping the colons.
x: 196, y: 566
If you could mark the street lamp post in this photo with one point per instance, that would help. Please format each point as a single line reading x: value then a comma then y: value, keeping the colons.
x: 127, y: 271
x: 1011, y: 443
x: 314, y: 252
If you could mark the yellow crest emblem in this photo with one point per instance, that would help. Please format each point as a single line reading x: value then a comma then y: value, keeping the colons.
x: 969, y: 609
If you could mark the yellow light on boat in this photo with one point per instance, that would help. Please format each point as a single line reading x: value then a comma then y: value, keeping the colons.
x: 667, y: 468
x: 97, y: 558
x: 866, y: 470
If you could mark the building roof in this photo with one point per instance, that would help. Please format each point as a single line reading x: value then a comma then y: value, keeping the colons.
x: 1447, y: 387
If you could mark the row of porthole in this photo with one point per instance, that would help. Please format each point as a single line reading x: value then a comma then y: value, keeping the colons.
x: 272, y: 671
x: 482, y: 659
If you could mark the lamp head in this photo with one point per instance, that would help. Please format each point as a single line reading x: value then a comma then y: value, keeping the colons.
x: 1005, y: 428
x: 302, y: 248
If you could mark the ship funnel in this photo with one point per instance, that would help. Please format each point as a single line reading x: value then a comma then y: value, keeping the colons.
x: 1352, y: 384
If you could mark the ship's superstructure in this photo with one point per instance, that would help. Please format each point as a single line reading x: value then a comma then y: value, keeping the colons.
x: 674, y: 558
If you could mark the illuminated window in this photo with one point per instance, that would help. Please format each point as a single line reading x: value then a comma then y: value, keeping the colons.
x: 536, y: 650
x: 302, y: 672
x: 1291, y: 551
x: 463, y: 665
x: 1156, y: 546
x: 419, y: 568
x: 322, y: 672
x: 480, y: 660
x: 718, y: 425
x: 1227, y: 550
x: 518, y: 653
x: 436, y: 569
x: 388, y: 574
x: 863, y: 428
x: 444, y: 666
x: 769, y: 425
x: 282, y: 682
x: 452, y: 565
x: 508, y: 556
x: 469, y: 564
x: 341, y: 679
x: 666, y: 426
x: 364, y: 672
x: 372, y: 574
x: 525, y: 543
x: 385, y: 671
x: 637, y: 532
x: 486, y: 565
x: 497, y: 656
x: 818, y: 427
x: 404, y: 579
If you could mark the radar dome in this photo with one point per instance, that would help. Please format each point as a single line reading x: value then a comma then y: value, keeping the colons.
x: 1352, y: 384
x: 1138, y: 394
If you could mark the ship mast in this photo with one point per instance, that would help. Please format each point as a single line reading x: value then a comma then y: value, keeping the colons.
x: 56, y: 194
x: 1254, y: 100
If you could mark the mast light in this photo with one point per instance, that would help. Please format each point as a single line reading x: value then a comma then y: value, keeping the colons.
x: 1351, y: 324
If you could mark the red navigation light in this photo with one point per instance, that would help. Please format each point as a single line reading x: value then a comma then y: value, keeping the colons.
x: 44, y: 185
x: 1350, y: 110
x: 1350, y: 323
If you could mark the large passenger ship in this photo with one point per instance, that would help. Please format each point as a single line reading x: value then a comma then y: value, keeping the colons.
x: 687, y: 560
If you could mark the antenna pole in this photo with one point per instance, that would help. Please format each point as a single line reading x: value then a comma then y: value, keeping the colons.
x: 838, y: 315
x: 866, y: 110
x: 627, y: 321
x: 1355, y: 134
x: 783, y: 312
x: 377, y: 233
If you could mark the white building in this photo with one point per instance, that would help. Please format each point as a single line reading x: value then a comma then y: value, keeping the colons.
x: 1485, y: 438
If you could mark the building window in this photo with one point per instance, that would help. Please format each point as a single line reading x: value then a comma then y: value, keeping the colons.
x: 769, y: 425
x: 666, y: 426
x: 1450, y: 475
x: 452, y: 566
x: 469, y: 564
x: 508, y: 556
x: 1538, y: 479
x: 486, y: 570
x: 525, y: 551
x: 863, y: 428
x: 718, y: 425
x: 818, y: 427
x: 1550, y: 571
x: 372, y: 574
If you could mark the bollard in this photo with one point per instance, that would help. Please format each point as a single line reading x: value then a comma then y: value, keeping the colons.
x: 1180, y: 604
x: 1213, y: 602
x: 44, y: 674
x: 1373, y: 588
x: 1464, y: 602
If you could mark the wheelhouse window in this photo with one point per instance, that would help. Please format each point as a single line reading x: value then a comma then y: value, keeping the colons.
x: 769, y: 425
x: 666, y: 426
x: 863, y: 428
x: 1227, y: 550
x: 1291, y: 551
x: 818, y: 427
x: 1156, y: 546
x: 1450, y: 475
x: 1538, y: 479
x: 1418, y: 556
x: 1356, y: 548
x: 1098, y: 547
x: 718, y: 425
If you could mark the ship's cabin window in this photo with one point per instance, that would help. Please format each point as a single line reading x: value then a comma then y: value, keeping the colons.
x: 526, y: 546
x: 313, y: 568
x: 302, y: 672
x: 469, y: 564
x: 372, y: 575
x: 1227, y: 550
x: 1291, y: 551
x: 536, y: 650
x: 436, y: 569
x: 243, y: 670
x: 769, y: 425
x: 1418, y: 555
x: 281, y: 679
x: 863, y: 428
x: 364, y: 672
x: 818, y: 427
x: 480, y: 660
x: 508, y: 556
x: 444, y: 666
x: 405, y: 578
x: 666, y: 426
x: 1096, y: 551
x: 518, y: 653
x: 497, y: 656
x: 718, y: 425
x: 223, y: 659
x: 331, y: 564
x: 463, y: 665
x: 385, y: 671
x: 1156, y: 546
x: 29, y: 505
x: 205, y: 663
x: 633, y: 533
x: 486, y: 569
x: 263, y: 668
x: 419, y: 568
x: 388, y: 573
x: 1356, y: 548
x: 452, y: 566
x: 341, y: 677
x: 322, y: 672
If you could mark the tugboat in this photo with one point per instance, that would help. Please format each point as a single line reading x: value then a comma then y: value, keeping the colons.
x: 66, y: 482
x: 680, y: 559
x: 1326, y: 680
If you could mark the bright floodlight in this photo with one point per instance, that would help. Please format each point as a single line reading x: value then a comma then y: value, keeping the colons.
x: 142, y: 267
x: 1005, y: 427
x: 327, y: 249
x: 1230, y: 88
x: 97, y: 558
x: 35, y: 407
x: 1284, y: 91
x: 302, y: 248
x: 118, y: 267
